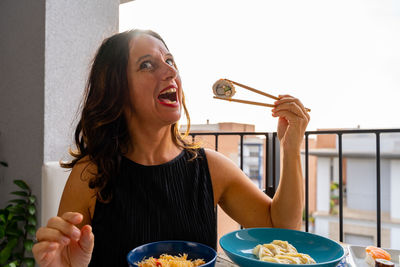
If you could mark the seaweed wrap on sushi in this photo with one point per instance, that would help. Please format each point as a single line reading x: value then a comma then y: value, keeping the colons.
x: 223, y: 88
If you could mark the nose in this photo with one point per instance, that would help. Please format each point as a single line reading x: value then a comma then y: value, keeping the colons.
x: 169, y: 72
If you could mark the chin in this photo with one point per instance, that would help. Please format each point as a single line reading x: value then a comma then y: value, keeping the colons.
x: 172, y: 119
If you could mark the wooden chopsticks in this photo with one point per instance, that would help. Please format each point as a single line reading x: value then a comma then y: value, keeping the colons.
x: 245, y: 102
x: 251, y: 102
x: 253, y: 90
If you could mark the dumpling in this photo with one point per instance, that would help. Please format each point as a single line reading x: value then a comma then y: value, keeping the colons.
x: 286, y: 247
x: 261, y: 251
x: 276, y: 250
x: 288, y: 259
x: 281, y: 252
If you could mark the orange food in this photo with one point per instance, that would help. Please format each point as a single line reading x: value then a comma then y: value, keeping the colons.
x: 170, y: 261
x: 378, y: 253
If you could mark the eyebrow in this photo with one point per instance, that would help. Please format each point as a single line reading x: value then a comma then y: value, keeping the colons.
x: 142, y: 57
x: 147, y: 56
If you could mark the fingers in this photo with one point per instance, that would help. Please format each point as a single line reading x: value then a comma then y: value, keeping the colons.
x: 290, y: 110
x: 87, y: 239
x: 51, y: 235
x: 292, y: 104
x: 72, y: 217
x: 61, y: 229
x: 291, y: 107
x: 59, y: 233
x: 66, y: 225
x: 42, y: 250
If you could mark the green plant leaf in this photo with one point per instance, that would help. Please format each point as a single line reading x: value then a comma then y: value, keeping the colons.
x: 2, y: 218
x: 15, y: 218
x: 13, y: 231
x: 18, y: 201
x: 30, y: 262
x: 32, y: 220
x: 10, y: 216
x: 31, y: 209
x: 30, y: 230
x: 16, y: 209
x: 2, y: 232
x: 22, y: 184
x: 6, y: 251
x: 32, y: 199
x: 20, y: 193
x: 19, y: 218
x: 28, y: 244
x: 12, y: 264
x: 18, y: 256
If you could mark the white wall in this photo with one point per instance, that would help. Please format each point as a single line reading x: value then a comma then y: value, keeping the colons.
x: 361, y: 184
x: 74, y: 31
x: 395, y: 191
x: 322, y: 226
x: 46, y: 48
x: 395, y: 238
x: 390, y: 142
x: 323, y: 184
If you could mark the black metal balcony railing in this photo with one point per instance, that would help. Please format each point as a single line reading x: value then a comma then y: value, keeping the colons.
x: 272, y: 165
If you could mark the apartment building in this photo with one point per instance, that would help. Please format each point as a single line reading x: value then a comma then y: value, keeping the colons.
x: 359, y: 185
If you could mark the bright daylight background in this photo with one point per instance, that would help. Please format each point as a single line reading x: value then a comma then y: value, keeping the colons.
x: 341, y: 58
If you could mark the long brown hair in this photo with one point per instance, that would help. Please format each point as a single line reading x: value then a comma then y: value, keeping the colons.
x: 102, y: 134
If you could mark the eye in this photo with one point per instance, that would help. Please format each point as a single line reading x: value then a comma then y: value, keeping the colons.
x: 146, y: 65
x: 171, y: 62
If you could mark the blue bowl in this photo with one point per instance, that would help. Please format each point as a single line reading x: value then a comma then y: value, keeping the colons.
x: 238, y: 246
x: 174, y: 248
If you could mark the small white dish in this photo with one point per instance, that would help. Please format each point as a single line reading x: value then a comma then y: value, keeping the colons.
x: 357, y: 255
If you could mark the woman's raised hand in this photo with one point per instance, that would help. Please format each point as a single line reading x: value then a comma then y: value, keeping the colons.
x: 61, y: 243
x: 293, y: 121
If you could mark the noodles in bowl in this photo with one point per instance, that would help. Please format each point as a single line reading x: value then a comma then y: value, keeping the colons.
x: 180, y: 253
x: 171, y: 261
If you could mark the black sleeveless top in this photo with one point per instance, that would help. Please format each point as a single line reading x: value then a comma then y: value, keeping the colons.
x: 171, y: 201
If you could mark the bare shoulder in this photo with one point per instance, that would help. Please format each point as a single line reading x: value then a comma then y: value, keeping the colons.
x: 223, y: 172
x: 83, y: 171
x: 219, y: 164
x: 217, y: 160
x: 236, y: 194
x: 77, y: 196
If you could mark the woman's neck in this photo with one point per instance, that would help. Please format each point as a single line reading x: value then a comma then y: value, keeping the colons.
x: 150, y: 146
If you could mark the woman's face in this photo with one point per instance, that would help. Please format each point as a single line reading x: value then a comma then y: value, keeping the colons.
x: 154, y: 83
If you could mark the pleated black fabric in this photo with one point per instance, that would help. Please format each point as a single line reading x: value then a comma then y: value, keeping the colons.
x: 171, y: 201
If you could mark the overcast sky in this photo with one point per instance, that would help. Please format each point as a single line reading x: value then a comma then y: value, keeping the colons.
x: 341, y: 58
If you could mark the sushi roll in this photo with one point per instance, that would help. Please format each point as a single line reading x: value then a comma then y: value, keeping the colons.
x: 383, y: 263
x: 223, y: 88
x: 373, y: 253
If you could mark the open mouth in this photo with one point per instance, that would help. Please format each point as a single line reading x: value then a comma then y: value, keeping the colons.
x: 168, y: 96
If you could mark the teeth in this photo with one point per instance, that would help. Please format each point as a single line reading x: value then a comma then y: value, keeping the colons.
x: 171, y: 90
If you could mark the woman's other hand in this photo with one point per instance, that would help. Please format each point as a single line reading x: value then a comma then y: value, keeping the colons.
x: 61, y: 243
x: 293, y: 121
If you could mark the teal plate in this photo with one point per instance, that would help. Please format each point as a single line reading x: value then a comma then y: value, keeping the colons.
x: 238, y: 246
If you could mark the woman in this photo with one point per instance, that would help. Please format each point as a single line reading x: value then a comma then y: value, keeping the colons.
x: 136, y: 180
